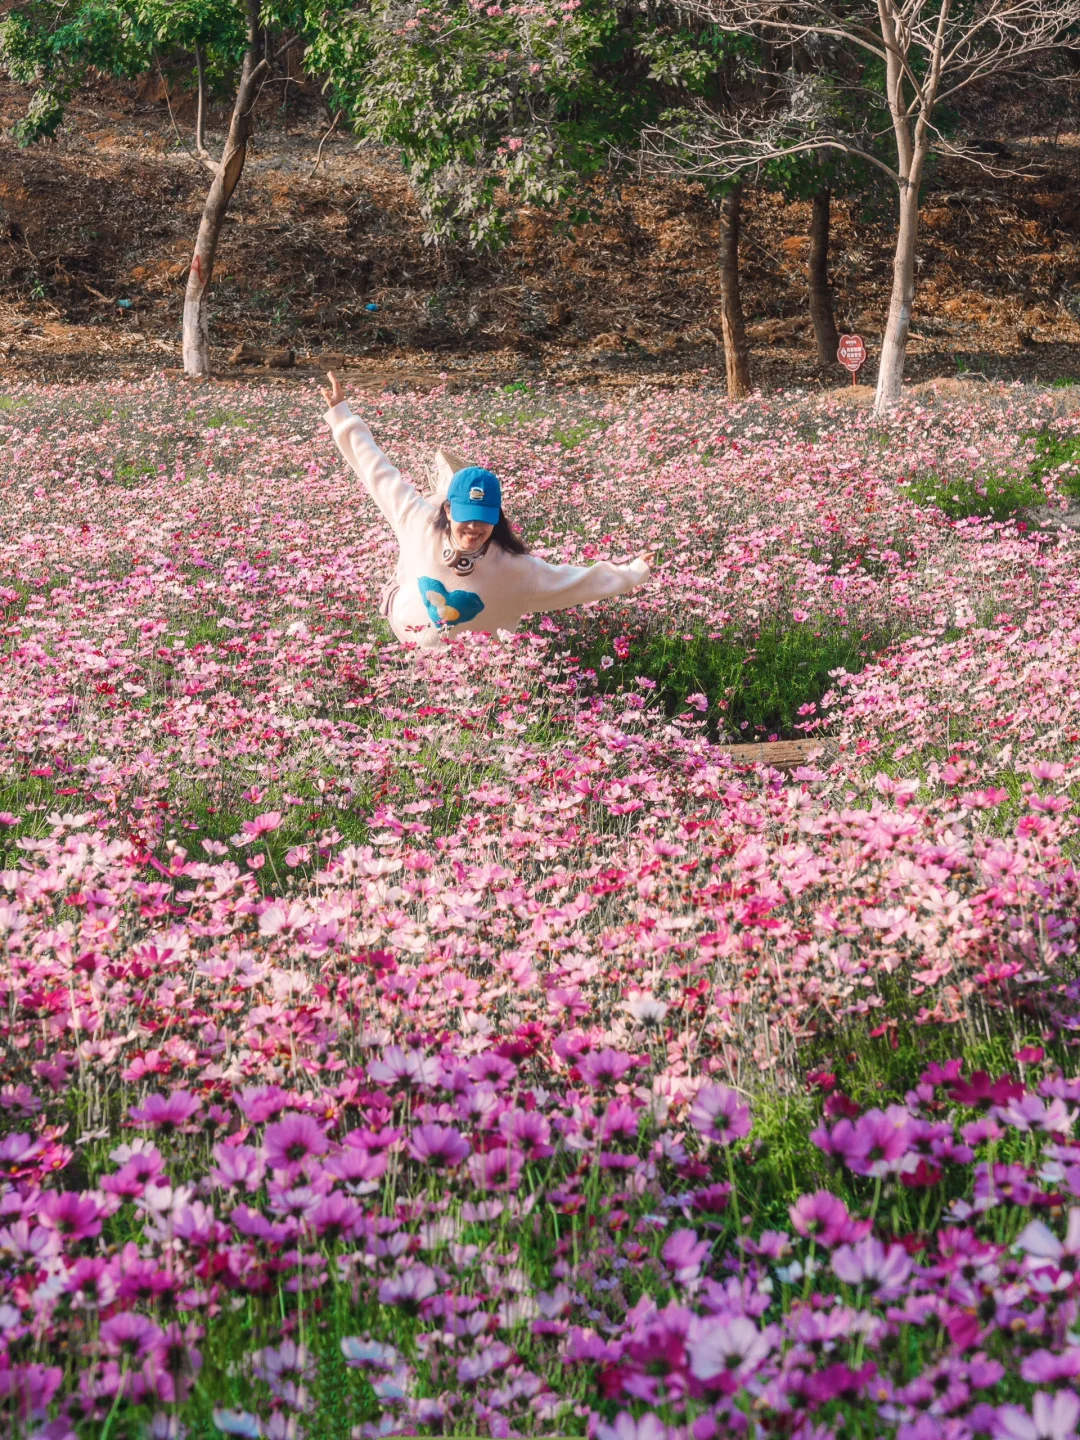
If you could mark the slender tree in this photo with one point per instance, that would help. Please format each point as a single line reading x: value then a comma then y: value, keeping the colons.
x: 196, y: 333
x: 929, y: 51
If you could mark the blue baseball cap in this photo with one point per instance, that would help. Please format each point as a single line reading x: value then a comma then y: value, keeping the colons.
x: 475, y: 494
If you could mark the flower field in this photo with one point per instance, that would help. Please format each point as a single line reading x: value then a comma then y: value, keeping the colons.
x: 463, y: 1042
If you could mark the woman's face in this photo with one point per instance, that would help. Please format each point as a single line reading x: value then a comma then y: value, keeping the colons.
x: 468, y: 535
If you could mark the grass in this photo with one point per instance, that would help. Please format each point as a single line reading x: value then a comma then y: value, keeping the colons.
x: 995, y: 497
x: 756, y: 686
x: 1055, y: 467
x: 1052, y: 451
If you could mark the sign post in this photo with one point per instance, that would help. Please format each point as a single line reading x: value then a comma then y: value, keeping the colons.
x: 852, y: 354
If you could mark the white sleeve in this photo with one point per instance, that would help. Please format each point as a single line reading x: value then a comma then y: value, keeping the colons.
x: 396, y: 498
x: 558, y: 587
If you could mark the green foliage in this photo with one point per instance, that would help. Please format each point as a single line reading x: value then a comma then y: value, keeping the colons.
x: 51, y: 46
x: 492, y: 109
x: 993, y: 496
x: 756, y: 686
x: 1057, y: 460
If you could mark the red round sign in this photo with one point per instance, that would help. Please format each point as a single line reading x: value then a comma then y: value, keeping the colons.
x: 852, y: 352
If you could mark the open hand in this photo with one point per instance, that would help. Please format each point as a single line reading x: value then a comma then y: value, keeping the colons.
x: 335, y: 394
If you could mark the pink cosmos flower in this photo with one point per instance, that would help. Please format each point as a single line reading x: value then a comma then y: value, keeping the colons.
x: 439, y: 1146
x: 261, y: 825
x: 238, y: 1166
x: 871, y: 1266
x: 405, y: 1067
x: 720, y: 1115
x: 166, y: 1113
x: 76, y: 1216
x: 604, y: 1067
x: 684, y: 1254
x: 292, y: 1140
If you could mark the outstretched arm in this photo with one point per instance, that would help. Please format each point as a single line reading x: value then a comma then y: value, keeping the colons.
x: 396, y: 498
x: 558, y: 587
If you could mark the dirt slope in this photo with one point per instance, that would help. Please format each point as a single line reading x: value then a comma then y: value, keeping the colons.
x: 108, y: 212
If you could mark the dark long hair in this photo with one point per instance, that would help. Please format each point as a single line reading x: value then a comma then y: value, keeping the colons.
x: 503, y: 535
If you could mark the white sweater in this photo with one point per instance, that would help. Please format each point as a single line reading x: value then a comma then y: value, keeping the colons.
x: 435, y: 601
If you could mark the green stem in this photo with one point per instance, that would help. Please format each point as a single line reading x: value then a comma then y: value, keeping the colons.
x: 116, y: 1402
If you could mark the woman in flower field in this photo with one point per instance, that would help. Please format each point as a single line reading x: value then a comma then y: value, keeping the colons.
x: 438, y: 1043
x: 460, y: 564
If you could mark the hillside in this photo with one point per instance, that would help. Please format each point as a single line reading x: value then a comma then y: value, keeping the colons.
x: 109, y: 210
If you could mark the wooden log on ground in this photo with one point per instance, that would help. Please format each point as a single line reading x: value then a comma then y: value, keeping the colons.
x: 779, y: 754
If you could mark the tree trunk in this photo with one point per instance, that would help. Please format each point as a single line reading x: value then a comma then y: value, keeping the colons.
x: 890, y: 378
x: 736, y: 351
x: 196, y: 333
x: 817, y: 274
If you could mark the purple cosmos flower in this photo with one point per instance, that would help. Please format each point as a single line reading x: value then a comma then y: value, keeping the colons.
x: 166, y: 1113
x: 1043, y: 1367
x: 31, y: 1387
x: 408, y: 1287
x: 439, y: 1146
x: 497, y: 1169
x: 870, y: 1265
x: 1052, y: 1417
x: 1044, y: 1248
x: 368, y: 1354
x: 259, y: 1103
x: 527, y: 1131
x: 131, y: 1334
x: 336, y: 1217
x: 728, y: 1347
x: 630, y: 1427
x: 292, y: 1140
x: 720, y: 1115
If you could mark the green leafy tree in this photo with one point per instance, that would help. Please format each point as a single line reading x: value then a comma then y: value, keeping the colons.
x: 52, y: 46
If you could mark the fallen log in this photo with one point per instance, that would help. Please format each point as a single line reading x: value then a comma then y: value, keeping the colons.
x: 779, y: 754
x: 246, y: 354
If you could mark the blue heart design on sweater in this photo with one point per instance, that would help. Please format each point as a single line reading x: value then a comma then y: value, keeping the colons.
x: 448, y: 607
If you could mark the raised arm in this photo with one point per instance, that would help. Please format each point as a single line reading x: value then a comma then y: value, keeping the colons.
x: 399, y: 501
x: 558, y: 587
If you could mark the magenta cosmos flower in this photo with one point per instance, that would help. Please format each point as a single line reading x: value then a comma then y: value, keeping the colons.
x: 720, y: 1115
x: 165, y: 1113
x: 822, y: 1216
x: 292, y: 1140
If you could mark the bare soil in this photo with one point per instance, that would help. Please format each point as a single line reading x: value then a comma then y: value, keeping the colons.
x: 108, y: 213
